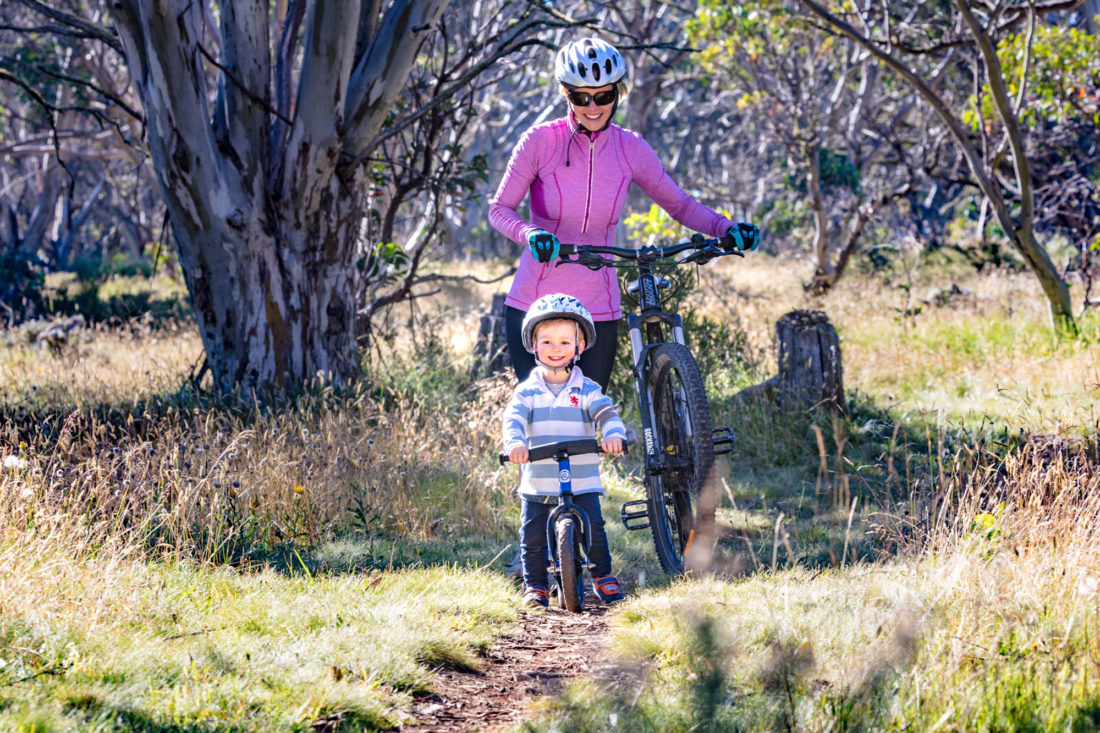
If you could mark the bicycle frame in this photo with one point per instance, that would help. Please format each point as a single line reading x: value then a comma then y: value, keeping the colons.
x: 649, y: 331
x: 566, y: 506
x: 652, y: 315
x: 560, y: 452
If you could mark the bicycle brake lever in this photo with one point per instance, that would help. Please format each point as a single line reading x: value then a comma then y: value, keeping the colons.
x: 587, y: 259
x: 698, y: 256
x: 703, y: 256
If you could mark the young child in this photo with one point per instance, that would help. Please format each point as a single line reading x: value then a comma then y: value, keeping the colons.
x: 557, y: 402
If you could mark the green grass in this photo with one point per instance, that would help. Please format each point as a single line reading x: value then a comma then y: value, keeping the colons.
x: 190, y: 647
x: 905, y: 646
x: 1004, y: 368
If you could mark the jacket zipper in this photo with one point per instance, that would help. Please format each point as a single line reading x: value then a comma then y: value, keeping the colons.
x: 588, y: 195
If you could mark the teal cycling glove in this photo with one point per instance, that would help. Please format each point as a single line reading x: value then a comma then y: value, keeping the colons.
x: 742, y: 236
x: 544, y: 245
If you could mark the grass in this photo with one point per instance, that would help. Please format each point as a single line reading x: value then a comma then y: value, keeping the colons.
x: 113, y: 643
x: 987, y: 620
x: 175, y: 562
x: 966, y: 644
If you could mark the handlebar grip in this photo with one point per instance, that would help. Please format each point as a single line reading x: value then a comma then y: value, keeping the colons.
x: 570, y: 447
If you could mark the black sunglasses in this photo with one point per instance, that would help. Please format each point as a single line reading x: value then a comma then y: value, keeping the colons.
x: 581, y: 99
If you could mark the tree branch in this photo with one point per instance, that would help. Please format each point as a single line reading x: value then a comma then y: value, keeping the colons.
x: 50, y: 110
x: 90, y: 30
x: 507, y: 47
x: 256, y: 99
x: 111, y: 96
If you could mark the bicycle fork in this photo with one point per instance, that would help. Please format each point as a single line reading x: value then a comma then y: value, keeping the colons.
x: 635, y: 514
x: 583, y: 524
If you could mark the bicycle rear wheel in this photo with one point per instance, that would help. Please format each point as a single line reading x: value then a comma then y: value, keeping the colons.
x: 570, y: 588
x: 681, y: 423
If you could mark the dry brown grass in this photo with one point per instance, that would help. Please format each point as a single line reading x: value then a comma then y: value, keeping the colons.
x: 987, y: 354
x: 174, y: 476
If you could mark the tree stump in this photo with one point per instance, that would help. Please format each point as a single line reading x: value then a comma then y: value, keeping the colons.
x: 810, y: 371
x: 491, y: 349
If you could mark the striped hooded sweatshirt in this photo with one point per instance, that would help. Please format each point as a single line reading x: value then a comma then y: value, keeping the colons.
x: 578, y: 183
x: 536, y: 416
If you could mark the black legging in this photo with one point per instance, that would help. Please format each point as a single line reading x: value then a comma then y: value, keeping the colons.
x: 596, y: 361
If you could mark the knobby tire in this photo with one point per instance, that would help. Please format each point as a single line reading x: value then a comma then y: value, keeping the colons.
x: 681, y: 422
x: 566, y: 532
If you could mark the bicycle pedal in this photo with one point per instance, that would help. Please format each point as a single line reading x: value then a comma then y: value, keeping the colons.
x: 722, y: 439
x: 635, y: 514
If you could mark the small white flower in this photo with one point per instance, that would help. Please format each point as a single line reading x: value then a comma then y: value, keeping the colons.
x: 14, y: 462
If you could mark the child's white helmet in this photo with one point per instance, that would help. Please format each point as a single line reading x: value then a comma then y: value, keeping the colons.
x: 554, y: 306
x: 589, y: 62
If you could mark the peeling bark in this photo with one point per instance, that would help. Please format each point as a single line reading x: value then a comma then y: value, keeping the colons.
x: 265, y: 221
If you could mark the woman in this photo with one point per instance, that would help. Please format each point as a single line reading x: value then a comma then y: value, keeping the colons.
x: 578, y: 170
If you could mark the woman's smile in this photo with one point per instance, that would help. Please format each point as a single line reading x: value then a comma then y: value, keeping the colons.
x: 591, y: 114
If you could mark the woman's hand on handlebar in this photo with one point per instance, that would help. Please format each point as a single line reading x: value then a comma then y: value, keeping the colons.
x: 612, y: 445
x: 518, y: 454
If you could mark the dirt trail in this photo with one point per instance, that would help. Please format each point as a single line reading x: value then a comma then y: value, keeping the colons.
x: 537, y: 660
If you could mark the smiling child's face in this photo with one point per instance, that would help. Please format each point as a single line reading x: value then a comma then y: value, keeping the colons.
x: 556, y: 343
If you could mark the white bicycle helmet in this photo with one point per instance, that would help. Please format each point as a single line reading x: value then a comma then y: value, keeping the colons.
x: 554, y: 306
x: 589, y: 62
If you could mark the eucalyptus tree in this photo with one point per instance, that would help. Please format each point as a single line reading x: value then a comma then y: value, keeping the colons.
x: 73, y: 178
x: 257, y: 123
x: 916, y: 42
x: 853, y: 141
x: 430, y: 174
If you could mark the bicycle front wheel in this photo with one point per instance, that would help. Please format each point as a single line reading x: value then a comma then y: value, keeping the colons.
x: 569, y: 590
x: 682, y: 432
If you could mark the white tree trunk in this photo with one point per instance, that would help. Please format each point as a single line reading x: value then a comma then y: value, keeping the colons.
x: 264, y: 216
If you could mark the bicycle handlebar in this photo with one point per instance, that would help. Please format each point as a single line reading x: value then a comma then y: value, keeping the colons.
x: 705, y: 248
x: 569, y: 447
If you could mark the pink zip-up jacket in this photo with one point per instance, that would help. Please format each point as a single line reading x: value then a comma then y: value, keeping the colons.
x: 581, y: 203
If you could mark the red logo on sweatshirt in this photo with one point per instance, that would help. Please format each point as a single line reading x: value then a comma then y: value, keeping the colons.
x: 573, y: 399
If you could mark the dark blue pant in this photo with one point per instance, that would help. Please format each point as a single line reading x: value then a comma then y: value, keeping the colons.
x: 532, y: 539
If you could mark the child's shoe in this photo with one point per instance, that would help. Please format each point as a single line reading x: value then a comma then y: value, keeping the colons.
x: 607, y: 588
x: 536, y: 596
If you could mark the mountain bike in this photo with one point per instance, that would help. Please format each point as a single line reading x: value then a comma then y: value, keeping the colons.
x: 680, y: 443
x: 568, y: 528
